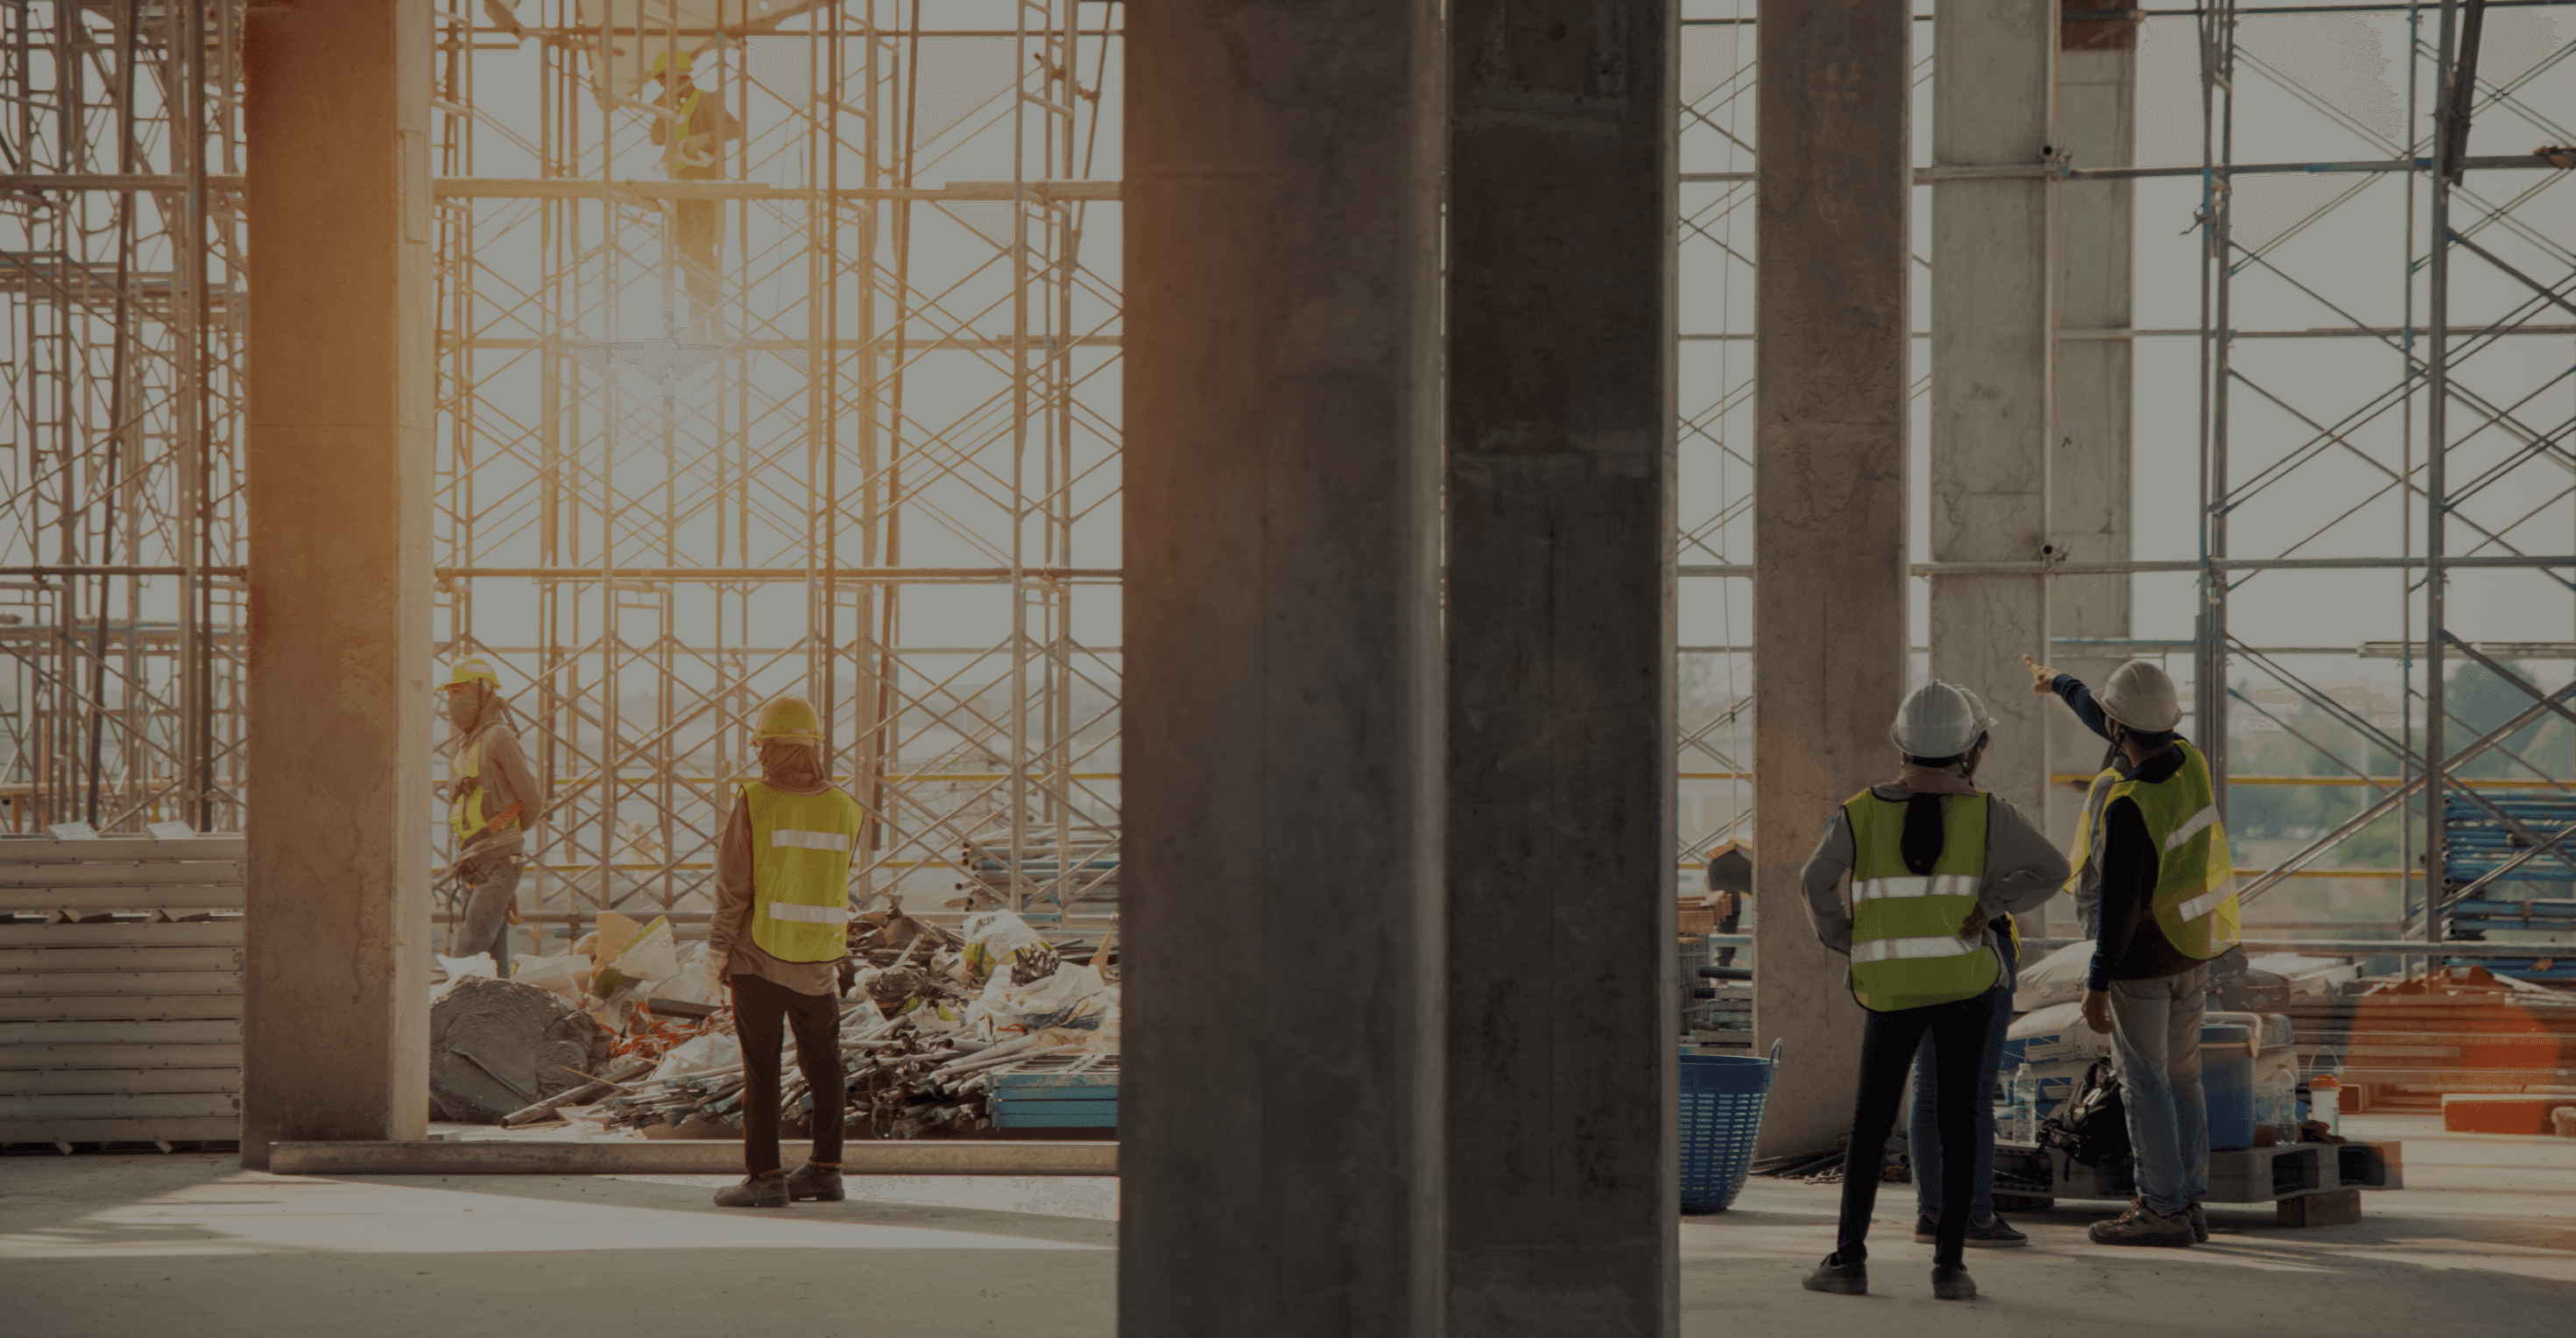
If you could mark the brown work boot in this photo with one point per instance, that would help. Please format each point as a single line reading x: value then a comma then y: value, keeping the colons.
x: 818, y: 1181
x: 2199, y: 1224
x: 2142, y: 1225
x: 765, y: 1190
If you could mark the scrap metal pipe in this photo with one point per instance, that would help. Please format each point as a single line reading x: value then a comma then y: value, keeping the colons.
x: 681, y: 1156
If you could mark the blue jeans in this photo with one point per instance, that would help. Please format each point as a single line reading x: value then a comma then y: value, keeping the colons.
x: 1923, y: 1127
x: 2155, y: 1045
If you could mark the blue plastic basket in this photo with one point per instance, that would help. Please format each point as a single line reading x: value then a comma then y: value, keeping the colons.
x: 1722, y: 1098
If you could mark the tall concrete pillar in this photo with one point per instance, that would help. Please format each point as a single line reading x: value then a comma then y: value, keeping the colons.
x: 1994, y: 77
x: 1282, y: 1065
x: 1560, y: 621
x: 1829, y: 592
x: 335, y: 1017
x: 2088, y: 477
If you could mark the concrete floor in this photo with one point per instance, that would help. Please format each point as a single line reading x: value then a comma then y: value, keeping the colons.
x: 2484, y: 1240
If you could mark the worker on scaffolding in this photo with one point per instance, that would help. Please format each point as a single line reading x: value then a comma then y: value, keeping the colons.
x: 778, y: 937
x: 491, y: 800
x: 2161, y: 883
x: 691, y: 132
x: 1933, y: 865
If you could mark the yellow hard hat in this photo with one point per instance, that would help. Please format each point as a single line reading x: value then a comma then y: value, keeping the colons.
x: 667, y: 58
x: 788, y: 719
x: 468, y: 670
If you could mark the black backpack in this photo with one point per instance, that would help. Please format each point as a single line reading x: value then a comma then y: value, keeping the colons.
x: 2093, y: 1126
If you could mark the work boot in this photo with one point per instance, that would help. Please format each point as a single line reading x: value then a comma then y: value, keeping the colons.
x: 1951, y: 1283
x: 1992, y: 1233
x: 818, y: 1181
x: 765, y: 1190
x: 2199, y: 1224
x: 2142, y: 1225
x: 1841, y: 1279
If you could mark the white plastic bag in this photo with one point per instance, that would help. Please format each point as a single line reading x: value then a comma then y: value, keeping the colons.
x: 995, y: 939
x: 458, y: 968
x: 563, y: 975
x: 715, y: 1050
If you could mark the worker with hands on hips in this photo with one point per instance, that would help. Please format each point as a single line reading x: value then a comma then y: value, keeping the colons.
x: 1931, y: 862
x: 2156, y: 886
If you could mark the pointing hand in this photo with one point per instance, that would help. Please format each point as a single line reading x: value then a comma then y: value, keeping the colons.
x: 2042, y: 678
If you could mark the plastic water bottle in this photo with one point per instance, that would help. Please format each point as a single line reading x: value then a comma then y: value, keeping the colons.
x: 2325, y: 1101
x: 2025, y: 1104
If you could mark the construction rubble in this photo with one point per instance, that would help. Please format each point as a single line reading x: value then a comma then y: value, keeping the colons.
x: 619, y: 1038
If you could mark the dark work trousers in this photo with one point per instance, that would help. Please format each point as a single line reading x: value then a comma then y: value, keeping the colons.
x: 759, y: 1007
x: 1887, y: 1046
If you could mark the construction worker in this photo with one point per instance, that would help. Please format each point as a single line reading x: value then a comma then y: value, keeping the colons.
x: 2162, y: 885
x: 1986, y: 1228
x: 491, y: 801
x: 778, y: 937
x: 1932, y: 863
x: 692, y: 141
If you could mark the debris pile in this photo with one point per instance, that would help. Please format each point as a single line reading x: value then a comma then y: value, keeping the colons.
x: 929, y: 1018
x: 497, y: 1046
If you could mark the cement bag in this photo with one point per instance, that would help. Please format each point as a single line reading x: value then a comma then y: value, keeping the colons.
x: 2056, y: 978
x: 650, y: 956
x: 563, y: 975
x: 1073, y: 997
x: 1001, y: 944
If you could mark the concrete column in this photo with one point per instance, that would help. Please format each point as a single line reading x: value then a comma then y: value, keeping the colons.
x: 1560, y: 618
x: 2088, y: 477
x: 1283, y: 1043
x: 1994, y: 76
x: 1829, y: 590
x: 335, y: 1016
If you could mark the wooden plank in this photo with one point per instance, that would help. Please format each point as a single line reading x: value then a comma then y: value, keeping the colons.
x: 186, y: 1105
x: 210, y: 934
x: 120, y: 1081
x: 122, y: 874
x: 120, y: 1032
x: 71, y: 984
x: 103, y: 1007
x: 123, y: 848
x: 163, y: 957
x: 167, y: 1129
x: 115, y: 1056
x: 182, y: 900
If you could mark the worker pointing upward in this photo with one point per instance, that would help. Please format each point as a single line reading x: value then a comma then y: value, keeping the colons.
x: 778, y: 936
x: 2157, y: 877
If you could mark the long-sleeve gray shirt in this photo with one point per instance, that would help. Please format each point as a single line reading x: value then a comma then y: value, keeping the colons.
x: 2023, y: 870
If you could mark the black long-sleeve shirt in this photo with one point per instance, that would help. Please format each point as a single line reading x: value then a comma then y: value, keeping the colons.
x: 2131, y: 945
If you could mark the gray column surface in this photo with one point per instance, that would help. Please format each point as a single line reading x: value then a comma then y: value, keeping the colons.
x: 1562, y: 1182
x: 1829, y: 588
x: 1994, y: 77
x: 335, y: 1015
x: 1282, y: 770
x: 2088, y: 477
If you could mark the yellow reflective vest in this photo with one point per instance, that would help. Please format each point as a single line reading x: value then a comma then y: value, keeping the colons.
x: 2195, y: 897
x: 1907, y: 951
x: 800, y: 872
x: 465, y: 812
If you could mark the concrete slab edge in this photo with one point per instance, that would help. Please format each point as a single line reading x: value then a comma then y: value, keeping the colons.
x: 679, y: 1157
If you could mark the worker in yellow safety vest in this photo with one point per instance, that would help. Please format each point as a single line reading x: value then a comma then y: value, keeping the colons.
x: 1911, y: 881
x: 2159, y: 887
x: 491, y: 801
x: 778, y: 936
x: 692, y: 135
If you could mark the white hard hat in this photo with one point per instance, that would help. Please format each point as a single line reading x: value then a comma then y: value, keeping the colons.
x: 1937, y: 720
x: 1977, y: 708
x: 2141, y: 696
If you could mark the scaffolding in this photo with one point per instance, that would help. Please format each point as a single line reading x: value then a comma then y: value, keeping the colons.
x: 121, y: 277
x: 2384, y: 435
x: 863, y: 443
